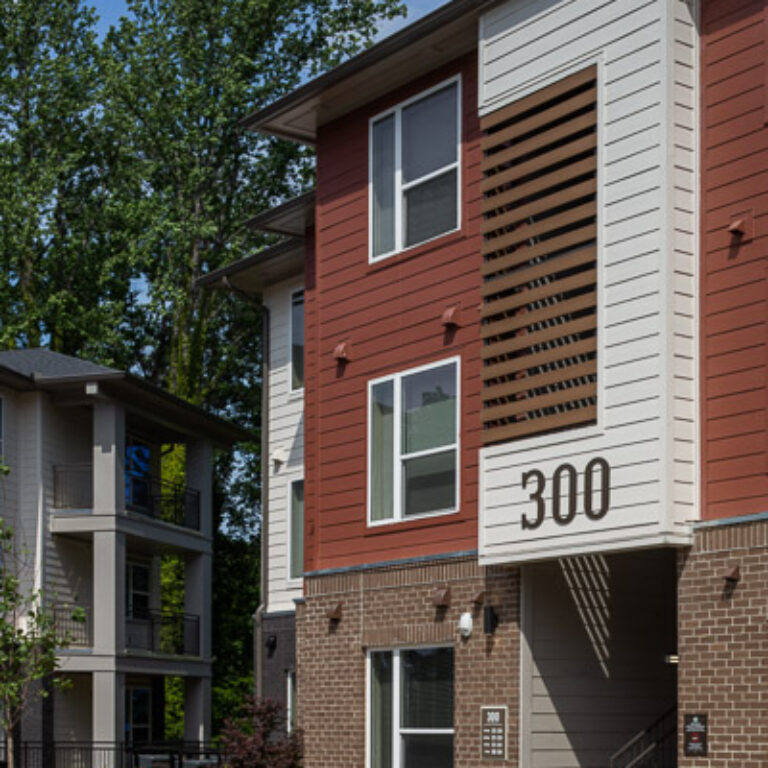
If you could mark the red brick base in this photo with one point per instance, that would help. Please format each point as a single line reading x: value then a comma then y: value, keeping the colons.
x: 392, y: 607
x: 723, y: 644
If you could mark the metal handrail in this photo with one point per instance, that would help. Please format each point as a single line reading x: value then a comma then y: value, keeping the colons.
x: 176, y: 634
x: 645, y: 743
x: 162, y: 500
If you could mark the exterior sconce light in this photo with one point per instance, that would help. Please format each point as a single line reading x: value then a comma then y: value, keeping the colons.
x: 479, y: 597
x: 271, y: 643
x: 741, y: 227
x: 451, y: 317
x: 490, y: 620
x: 278, y: 458
x: 334, y: 612
x: 733, y: 575
x: 736, y: 228
x: 341, y: 352
x: 465, y: 625
x: 441, y: 598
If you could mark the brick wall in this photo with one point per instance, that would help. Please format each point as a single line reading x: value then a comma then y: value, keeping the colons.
x: 392, y: 607
x: 723, y: 644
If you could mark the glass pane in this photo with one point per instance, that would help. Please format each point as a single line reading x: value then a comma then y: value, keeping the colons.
x: 139, y: 606
x: 140, y: 578
x: 384, y: 186
x: 429, y: 409
x: 429, y: 134
x: 297, y: 529
x: 427, y: 688
x: 429, y: 483
x: 428, y: 751
x: 382, y: 440
x: 297, y: 340
x: 381, y: 709
x: 140, y: 707
x: 430, y: 209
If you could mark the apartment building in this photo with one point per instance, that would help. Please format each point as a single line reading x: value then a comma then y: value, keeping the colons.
x: 94, y: 514
x: 532, y: 426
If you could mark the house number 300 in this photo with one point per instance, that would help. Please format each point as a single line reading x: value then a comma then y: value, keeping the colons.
x: 597, y: 476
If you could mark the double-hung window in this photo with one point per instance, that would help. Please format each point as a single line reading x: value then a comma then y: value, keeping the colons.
x: 297, y: 341
x: 296, y: 530
x: 413, y: 443
x: 410, y: 717
x: 415, y: 179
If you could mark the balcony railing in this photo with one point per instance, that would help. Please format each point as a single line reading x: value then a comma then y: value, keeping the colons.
x: 73, y: 625
x: 145, y: 494
x: 170, y: 502
x: 93, y: 754
x: 73, y: 486
x: 177, y: 634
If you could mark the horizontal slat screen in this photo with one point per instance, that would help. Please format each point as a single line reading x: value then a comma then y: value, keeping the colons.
x: 539, y: 311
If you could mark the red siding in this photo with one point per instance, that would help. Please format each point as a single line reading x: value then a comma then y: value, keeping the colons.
x: 390, y: 315
x: 734, y: 299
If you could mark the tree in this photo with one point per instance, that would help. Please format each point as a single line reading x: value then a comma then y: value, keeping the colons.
x: 28, y: 641
x: 61, y: 260
x: 257, y: 739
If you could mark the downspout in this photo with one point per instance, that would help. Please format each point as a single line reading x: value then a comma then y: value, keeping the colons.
x: 39, y: 477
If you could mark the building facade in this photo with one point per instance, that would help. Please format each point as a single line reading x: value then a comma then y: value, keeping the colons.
x: 94, y: 514
x: 533, y: 439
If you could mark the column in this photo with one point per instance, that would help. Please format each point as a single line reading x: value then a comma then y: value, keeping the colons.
x: 200, y: 478
x: 108, y: 592
x: 108, y: 717
x: 197, y: 709
x: 197, y: 596
x: 108, y: 458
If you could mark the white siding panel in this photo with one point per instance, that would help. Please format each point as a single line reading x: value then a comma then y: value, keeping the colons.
x: 646, y: 57
x: 286, y: 435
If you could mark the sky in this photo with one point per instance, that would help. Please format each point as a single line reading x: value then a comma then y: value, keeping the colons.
x: 110, y: 11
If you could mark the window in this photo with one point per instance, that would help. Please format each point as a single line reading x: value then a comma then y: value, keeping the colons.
x: 138, y: 483
x: 296, y: 551
x: 137, y: 591
x: 415, y: 184
x: 297, y: 340
x: 410, y: 713
x: 413, y: 443
x: 138, y: 715
x: 290, y: 701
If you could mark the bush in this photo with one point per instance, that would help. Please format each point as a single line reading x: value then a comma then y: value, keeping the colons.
x: 257, y: 738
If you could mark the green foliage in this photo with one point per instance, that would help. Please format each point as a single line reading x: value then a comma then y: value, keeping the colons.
x: 28, y: 638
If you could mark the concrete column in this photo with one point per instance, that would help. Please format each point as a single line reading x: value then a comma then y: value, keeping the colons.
x: 108, y: 592
x: 108, y: 721
x: 197, y: 709
x: 200, y: 477
x: 197, y: 596
x: 108, y: 459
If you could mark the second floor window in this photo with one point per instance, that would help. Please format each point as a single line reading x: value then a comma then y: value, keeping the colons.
x: 413, y: 443
x: 296, y: 552
x: 415, y: 171
x: 297, y: 340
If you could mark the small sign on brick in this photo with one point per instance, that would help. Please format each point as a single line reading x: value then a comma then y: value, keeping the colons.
x: 493, y: 724
x: 695, y: 735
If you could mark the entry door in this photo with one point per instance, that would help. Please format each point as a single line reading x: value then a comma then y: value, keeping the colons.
x: 138, y: 714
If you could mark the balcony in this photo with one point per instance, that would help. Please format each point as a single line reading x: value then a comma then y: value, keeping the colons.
x: 176, y: 634
x: 73, y: 625
x: 145, y: 494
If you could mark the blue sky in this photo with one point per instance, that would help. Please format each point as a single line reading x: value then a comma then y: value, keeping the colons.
x: 110, y: 11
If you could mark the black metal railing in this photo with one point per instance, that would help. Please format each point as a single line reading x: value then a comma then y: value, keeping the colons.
x: 170, y: 502
x: 73, y: 624
x: 73, y: 486
x: 653, y: 747
x: 176, y: 634
x: 88, y: 754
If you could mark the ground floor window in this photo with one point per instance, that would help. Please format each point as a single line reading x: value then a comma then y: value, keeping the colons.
x: 138, y: 714
x: 411, y: 708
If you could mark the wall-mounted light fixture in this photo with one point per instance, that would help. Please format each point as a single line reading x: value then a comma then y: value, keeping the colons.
x: 479, y: 597
x: 451, y: 316
x: 465, y: 624
x: 334, y: 612
x: 733, y: 575
x: 441, y: 598
x: 490, y: 620
x: 271, y: 643
x: 341, y: 352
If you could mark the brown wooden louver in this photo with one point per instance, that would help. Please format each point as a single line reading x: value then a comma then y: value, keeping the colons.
x: 539, y: 313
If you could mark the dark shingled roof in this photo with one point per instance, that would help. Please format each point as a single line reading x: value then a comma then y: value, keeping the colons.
x: 43, y: 362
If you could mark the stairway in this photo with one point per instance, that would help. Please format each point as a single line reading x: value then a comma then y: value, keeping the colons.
x: 653, y: 747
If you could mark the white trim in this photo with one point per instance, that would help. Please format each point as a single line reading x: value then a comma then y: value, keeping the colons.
x: 290, y: 702
x: 295, y: 391
x: 400, y: 188
x: 397, y: 730
x: 292, y: 581
x: 398, y: 457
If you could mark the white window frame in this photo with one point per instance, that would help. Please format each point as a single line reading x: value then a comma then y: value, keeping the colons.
x: 290, y: 703
x: 401, y: 188
x: 131, y: 591
x: 397, y: 494
x: 397, y: 730
x: 295, y: 391
x: 293, y: 580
